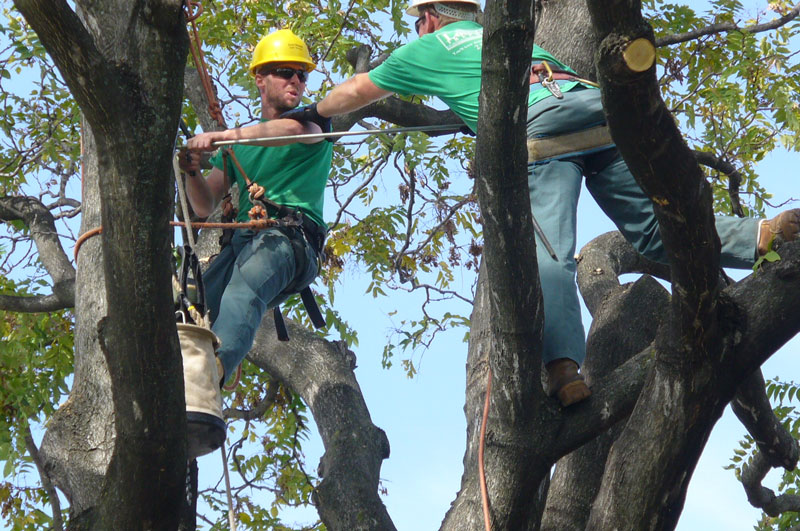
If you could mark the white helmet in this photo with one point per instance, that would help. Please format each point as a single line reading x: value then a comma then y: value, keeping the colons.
x: 413, y: 9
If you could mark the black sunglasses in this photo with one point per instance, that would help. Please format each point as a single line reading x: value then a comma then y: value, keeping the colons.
x: 287, y: 73
x: 419, y: 22
x: 421, y: 19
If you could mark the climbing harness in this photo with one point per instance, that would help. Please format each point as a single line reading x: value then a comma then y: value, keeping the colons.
x: 587, y: 140
x: 296, y: 227
x: 543, y: 73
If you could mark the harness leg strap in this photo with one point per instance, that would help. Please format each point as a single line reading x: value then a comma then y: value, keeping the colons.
x: 280, y: 325
x: 312, y: 308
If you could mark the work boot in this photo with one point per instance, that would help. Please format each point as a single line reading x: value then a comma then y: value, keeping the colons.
x: 786, y: 224
x: 565, y: 383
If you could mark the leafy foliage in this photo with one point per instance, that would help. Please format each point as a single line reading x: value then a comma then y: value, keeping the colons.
x: 35, y: 364
x: 736, y: 92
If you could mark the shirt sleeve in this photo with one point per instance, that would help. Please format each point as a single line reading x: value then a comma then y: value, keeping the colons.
x: 400, y: 73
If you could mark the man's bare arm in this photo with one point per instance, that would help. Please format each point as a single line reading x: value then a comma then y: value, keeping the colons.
x: 351, y: 95
x: 277, y: 127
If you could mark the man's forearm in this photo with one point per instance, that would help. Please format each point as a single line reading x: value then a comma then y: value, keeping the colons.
x: 199, y: 195
x: 278, y: 127
x: 356, y: 92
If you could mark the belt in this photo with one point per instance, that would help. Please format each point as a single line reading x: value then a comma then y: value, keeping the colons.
x: 570, y: 143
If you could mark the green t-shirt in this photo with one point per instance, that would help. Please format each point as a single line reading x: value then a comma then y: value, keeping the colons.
x: 447, y: 64
x: 294, y: 175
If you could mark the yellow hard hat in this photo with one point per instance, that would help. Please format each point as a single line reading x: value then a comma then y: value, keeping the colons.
x: 281, y: 46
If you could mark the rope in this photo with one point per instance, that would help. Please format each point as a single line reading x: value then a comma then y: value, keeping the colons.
x: 193, y: 9
x: 336, y: 134
x: 487, y: 522
x: 182, y: 199
x: 231, y: 514
x: 257, y: 224
x: 236, y: 379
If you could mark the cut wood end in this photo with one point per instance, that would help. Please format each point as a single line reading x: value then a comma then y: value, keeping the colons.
x: 639, y: 54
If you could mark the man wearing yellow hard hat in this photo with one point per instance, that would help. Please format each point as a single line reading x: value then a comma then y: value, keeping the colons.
x: 446, y: 62
x: 257, y: 270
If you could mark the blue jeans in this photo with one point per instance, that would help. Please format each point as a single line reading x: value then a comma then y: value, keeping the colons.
x: 248, y: 277
x: 554, y: 188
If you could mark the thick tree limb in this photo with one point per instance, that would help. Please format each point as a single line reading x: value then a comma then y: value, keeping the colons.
x: 321, y: 372
x: 34, y: 304
x: 686, y: 390
x: 770, y: 303
x: 665, y: 168
x: 122, y: 66
x: 194, y: 92
x: 625, y: 319
x: 752, y: 407
x: 43, y: 231
x: 603, y: 260
x: 725, y: 27
x: 402, y: 113
x: 75, y: 53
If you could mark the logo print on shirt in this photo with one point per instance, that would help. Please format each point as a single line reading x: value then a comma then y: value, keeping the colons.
x: 457, y: 41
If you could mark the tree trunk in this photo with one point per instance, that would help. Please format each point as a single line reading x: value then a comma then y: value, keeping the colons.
x: 124, y: 64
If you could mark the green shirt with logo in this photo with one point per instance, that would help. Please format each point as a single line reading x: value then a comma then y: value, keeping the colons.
x: 294, y: 175
x: 447, y: 64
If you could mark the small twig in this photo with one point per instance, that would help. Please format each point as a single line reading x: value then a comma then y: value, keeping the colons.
x: 338, y: 33
x: 728, y: 27
x: 47, y: 485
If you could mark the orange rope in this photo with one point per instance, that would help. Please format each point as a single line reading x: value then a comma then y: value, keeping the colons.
x: 481, y: 474
x: 258, y: 224
x: 193, y: 9
x: 232, y: 386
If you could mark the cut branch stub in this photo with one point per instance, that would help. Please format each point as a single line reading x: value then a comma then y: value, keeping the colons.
x: 639, y: 54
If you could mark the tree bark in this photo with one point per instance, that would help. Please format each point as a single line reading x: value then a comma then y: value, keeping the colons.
x: 321, y: 372
x: 623, y: 324
x: 123, y: 63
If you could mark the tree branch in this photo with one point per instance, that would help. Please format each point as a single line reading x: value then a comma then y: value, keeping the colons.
x: 723, y: 27
x: 753, y: 474
x: 76, y: 55
x: 751, y: 406
x: 603, y: 260
x: 43, y: 231
x: 734, y: 177
x: 321, y: 372
x: 666, y: 169
x: 47, y: 485
x: 770, y: 306
x: 35, y: 304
